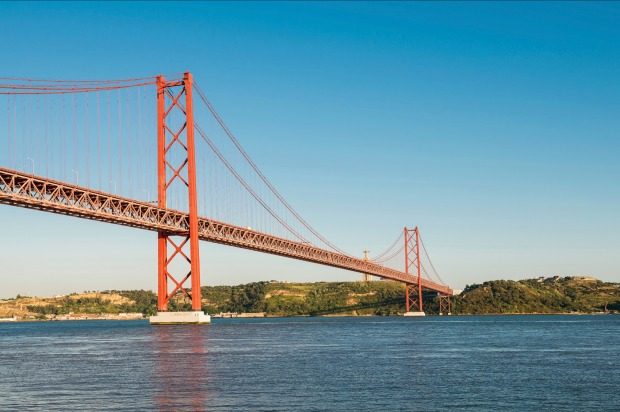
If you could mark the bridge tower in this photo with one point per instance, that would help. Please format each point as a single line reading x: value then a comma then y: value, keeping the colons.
x: 176, y: 168
x: 413, y: 293
x: 444, y: 304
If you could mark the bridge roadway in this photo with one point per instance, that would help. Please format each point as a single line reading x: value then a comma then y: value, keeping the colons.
x: 34, y: 192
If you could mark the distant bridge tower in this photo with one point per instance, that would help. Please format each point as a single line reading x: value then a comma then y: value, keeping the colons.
x: 413, y: 293
x: 365, y: 276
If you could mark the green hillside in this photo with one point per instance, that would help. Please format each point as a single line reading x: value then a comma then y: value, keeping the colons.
x: 307, y: 299
x: 543, y: 295
x: 579, y: 294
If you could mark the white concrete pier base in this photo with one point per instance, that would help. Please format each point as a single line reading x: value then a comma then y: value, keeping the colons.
x: 408, y: 314
x: 180, y: 318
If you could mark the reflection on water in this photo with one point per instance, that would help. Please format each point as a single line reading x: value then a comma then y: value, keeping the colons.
x: 181, y: 366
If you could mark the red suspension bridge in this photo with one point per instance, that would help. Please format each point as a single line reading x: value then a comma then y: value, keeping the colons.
x: 139, y: 152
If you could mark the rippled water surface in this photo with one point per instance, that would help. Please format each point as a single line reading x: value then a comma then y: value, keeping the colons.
x: 345, y: 364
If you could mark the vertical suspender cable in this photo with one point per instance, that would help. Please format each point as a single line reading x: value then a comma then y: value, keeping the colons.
x: 74, y: 136
x: 130, y: 162
x: 45, y: 132
x: 140, y: 182
x: 120, y: 142
x: 98, y: 144
x: 63, y: 135
x: 87, y: 140
x: 8, y: 131
x: 109, y: 140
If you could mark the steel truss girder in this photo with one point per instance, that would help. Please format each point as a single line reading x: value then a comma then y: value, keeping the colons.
x: 24, y: 190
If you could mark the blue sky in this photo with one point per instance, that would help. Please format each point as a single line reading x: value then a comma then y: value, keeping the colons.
x: 494, y: 127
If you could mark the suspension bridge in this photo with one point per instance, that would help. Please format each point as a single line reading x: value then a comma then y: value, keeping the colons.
x: 145, y: 153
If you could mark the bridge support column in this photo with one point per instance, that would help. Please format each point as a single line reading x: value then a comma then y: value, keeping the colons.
x: 178, y: 255
x: 413, y: 293
x: 444, y: 304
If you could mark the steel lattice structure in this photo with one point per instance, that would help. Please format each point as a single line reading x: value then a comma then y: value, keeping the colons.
x: 33, y: 192
x: 413, y: 295
x: 170, y: 137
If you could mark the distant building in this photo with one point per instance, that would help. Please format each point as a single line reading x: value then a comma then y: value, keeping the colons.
x: 587, y: 278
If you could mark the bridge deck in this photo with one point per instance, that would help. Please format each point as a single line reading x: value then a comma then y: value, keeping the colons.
x: 34, y: 192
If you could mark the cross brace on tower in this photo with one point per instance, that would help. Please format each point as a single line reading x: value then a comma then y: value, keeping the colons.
x: 178, y: 170
x: 413, y: 293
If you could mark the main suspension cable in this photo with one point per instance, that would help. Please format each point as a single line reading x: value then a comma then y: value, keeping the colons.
x: 260, y: 174
x: 385, y: 252
x: 20, y: 85
x: 244, y: 183
x: 385, y: 259
x: 431, y: 263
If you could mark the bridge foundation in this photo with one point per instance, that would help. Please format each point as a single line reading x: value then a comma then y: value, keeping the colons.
x: 414, y: 314
x: 180, y: 318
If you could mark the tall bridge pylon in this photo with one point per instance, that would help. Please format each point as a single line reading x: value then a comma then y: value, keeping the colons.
x: 413, y: 293
x: 176, y: 166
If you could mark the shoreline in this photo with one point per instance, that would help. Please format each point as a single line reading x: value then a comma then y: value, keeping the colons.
x: 146, y: 318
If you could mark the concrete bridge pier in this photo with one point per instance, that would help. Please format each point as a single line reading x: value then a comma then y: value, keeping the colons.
x: 180, y: 318
x: 414, y: 314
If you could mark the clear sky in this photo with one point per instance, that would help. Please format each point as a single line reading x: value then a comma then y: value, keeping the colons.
x: 494, y: 127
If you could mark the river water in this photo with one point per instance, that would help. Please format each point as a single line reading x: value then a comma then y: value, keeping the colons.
x: 505, y: 363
